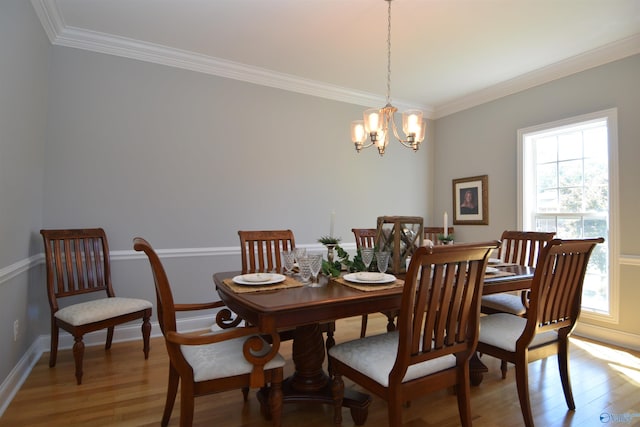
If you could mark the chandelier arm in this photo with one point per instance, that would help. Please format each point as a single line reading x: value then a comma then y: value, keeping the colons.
x: 409, y: 142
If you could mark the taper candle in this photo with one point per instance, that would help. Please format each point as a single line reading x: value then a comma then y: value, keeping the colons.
x: 446, y: 228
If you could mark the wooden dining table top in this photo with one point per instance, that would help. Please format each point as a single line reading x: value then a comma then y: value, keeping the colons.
x: 285, y: 308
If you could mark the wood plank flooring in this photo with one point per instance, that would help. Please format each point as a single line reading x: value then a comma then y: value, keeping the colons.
x: 120, y: 388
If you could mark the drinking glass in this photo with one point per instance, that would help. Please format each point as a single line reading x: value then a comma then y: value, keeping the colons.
x: 288, y: 258
x: 299, y: 253
x: 304, y: 265
x: 382, y: 258
x: 367, y: 256
x: 315, y: 262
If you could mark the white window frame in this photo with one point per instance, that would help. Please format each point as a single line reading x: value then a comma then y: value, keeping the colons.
x: 611, y: 116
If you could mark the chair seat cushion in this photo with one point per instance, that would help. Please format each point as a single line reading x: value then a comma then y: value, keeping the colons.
x: 221, y: 360
x: 504, y: 302
x: 502, y: 330
x: 374, y: 356
x: 96, y: 310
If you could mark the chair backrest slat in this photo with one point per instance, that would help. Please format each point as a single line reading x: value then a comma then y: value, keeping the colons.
x: 261, y: 249
x: 441, y: 303
x: 523, y: 247
x: 77, y: 262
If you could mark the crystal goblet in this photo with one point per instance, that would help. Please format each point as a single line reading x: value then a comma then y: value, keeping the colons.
x: 315, y: 262
x: 367, y: 257
x: 304, y: 265
x: 299, y: 253
x: 288, y: 259
x: 382, y: 259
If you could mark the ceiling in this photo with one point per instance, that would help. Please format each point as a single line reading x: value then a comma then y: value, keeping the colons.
x: 446, y: 55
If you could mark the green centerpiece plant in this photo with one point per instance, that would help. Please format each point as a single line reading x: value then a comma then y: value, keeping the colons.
x: 445, y: 240
x: 334, y: 268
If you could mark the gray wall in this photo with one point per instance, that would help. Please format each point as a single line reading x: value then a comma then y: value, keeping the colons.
x: 24, y: 50
x: 187, y: 159
x: 487, y: 137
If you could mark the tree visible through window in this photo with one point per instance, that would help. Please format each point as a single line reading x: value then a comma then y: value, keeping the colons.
x: 566, y: 188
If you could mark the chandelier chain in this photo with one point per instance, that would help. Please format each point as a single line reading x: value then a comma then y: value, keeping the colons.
x: 389, y: 53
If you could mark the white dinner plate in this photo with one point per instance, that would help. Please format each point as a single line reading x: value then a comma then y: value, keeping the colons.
x: 370, y: 278
x: 495, y: 261
x: 258, y: 279
x: 492, y: 270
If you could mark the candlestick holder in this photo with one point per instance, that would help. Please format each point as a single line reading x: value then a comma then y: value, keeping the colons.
x: 330, y: 242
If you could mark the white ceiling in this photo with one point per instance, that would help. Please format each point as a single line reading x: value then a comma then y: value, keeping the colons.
x: 447, y: 55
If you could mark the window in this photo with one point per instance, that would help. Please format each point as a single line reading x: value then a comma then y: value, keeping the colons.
x: 567, y: 182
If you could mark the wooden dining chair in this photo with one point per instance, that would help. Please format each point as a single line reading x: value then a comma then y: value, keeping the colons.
x: 436, y: 335
x: 365, y: 238
x: 260, y: 252
x: 432, y: 233
x: 78, y: 268
x: 518, y: 247
x: 260, y: 249
x: 554, y: 307
x: 206, y: 363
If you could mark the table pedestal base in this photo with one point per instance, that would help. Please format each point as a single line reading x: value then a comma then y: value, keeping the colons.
x: 476, y: 369
x: 357, y: 402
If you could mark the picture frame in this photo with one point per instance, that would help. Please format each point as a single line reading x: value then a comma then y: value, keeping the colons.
x: 471, y: 200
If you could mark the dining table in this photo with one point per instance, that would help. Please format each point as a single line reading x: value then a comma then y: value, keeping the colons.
x: 292, y: 305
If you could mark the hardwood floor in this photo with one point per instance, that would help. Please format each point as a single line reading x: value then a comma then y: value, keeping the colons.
x: 120, y: 388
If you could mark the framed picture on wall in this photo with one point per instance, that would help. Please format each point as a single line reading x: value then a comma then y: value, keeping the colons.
x: 471, y: 200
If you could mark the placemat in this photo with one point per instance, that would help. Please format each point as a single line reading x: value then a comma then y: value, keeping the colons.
x: 288, y: 282
x: 368, y: 288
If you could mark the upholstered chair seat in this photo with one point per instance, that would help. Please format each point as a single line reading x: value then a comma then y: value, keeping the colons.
x: 374, y: 356
x: 222, y: 359
x: 505, y: 303
x: 502, y: 330
x: 97, y: 310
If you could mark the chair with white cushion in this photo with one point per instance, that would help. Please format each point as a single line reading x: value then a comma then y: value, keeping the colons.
x: 211, y: 362
x: 554, y: 306
x: 77, y: 264
x: 260, y: 252
x: 518, y: 247
x: 366, y: 238
x: 435, y: 338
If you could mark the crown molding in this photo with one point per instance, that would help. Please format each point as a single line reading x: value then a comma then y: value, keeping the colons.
x: 63, y: 35
x: 608, y: 53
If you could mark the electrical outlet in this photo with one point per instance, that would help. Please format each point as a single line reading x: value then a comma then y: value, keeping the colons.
x: 16, y: 329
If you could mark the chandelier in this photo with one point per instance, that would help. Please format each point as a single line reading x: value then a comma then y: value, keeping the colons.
x: 378, y: 122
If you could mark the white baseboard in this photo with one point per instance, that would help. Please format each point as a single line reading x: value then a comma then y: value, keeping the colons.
x: 21, y: 371
x: 608, y: 336
x: 19, y: 374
